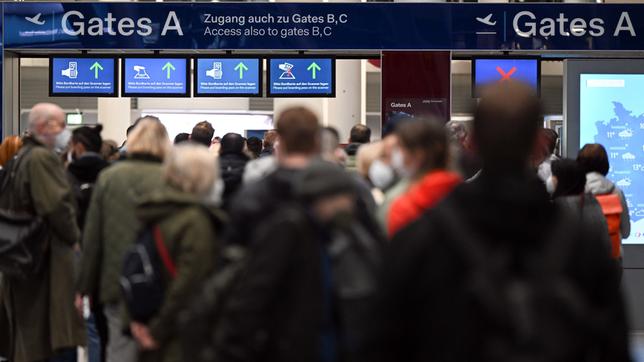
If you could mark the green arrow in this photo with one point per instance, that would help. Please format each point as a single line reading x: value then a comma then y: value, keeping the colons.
x: 241, y: 67
x: 168, y: 67
x: 314, y: 67
x: 96, y: 67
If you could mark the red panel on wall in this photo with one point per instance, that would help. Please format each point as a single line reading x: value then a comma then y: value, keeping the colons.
x: 416, y: 83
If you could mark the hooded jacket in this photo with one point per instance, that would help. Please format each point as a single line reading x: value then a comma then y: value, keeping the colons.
x: 111, y: 225
x: 189, y: 233
x: 425, y: 313
x: 598, y: 184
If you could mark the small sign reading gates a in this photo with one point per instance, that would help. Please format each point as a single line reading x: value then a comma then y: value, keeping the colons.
x: 228, y: 77
x: 301, y: 77
x: 155, y: 77
x: 78, y: 76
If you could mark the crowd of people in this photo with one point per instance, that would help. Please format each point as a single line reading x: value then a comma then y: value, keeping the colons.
x: 457, y: 242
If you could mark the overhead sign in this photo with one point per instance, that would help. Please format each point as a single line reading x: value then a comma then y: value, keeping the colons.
x: 346, y: 26
x: 293, y: 77
x: 154, y: 77
x: 228, y: 77
x: 73, y: 76
x: 492, y: 70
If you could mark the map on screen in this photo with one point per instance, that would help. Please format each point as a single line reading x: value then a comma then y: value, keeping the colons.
x: 612, y: 114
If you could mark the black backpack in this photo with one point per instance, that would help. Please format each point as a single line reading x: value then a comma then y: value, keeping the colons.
x: 198, y: 322
x: 23, y: 237
x: 538, y: 314
x: 142, y: 277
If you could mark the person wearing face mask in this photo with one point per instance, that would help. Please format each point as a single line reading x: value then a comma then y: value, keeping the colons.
x: 389, y: 165
x: 423, y: 159
x: 38, y: 321
x: 287, y: 294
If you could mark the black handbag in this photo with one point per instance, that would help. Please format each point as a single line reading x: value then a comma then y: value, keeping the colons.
x: 22, y: 244
x: 23, y: 237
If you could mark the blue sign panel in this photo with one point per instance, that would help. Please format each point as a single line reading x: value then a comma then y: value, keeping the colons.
x: 310, y: 77
x: 82, y: 77
x: 350, y: 26
x: 612, y: 114
x: 228, y: 77
x: 486, y: 71
x: 154, y: 77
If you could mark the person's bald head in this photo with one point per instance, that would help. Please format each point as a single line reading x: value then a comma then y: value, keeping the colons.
x: 46, y: 121
x: 45, y: 112
x: 506, y: 124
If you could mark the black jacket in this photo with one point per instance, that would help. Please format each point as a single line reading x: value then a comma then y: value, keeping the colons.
x: 424, y: 307
x: 232, y: 170
x: 256, y: 201
x: 275, y: 312
x: 83, y: 174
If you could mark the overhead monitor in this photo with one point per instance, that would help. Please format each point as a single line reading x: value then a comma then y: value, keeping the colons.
x: 301, y: 77
x: 228, y: 77
x: 155, y: 77
x: 486, y: 71
x: 82, y: 77
x: 604, y: 105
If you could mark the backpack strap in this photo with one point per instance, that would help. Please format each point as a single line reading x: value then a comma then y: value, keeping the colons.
x: 163, y: 252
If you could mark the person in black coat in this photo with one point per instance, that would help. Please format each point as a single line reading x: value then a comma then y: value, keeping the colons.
x: 232, y: 161
x: 283, y: 308
x: 87, y: 163
x: 454, y: 285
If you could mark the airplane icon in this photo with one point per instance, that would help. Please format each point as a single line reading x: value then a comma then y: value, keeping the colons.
x: 35, y: 20
x: 486, y: 20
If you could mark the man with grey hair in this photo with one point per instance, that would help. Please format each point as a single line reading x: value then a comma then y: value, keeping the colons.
x: 42, y: 321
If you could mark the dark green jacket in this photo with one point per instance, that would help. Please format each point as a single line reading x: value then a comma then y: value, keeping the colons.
x: 111, y: 225
x: 188, y: 231
x: 42, y: 306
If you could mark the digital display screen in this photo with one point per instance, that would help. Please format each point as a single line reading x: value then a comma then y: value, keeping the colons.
x: 155, y: 77
x: 80, y: 77
x: 612, y: 114
x: 228, y: 77
x: 301, y: 77
x: 488, y: 71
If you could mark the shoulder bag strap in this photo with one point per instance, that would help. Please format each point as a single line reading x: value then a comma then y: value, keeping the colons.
x: 163, y: 252
x: 11, y: 167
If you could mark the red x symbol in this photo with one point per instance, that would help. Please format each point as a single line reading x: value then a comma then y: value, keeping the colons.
x: 504, y: 75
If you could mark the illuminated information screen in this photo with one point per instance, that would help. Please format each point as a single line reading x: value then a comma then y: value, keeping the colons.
x: 489, y: 71
x: 301, y: 77
x: 612, y: 114
x: 228, y: 77
x: 155, y: 77
x: 82, y: 76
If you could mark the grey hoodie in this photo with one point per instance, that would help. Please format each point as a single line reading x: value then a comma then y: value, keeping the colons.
x: 597, y: 184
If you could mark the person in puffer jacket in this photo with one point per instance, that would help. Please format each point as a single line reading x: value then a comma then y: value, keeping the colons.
x: 594, y: 160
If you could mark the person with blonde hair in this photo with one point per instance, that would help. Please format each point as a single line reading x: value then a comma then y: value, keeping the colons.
x: 111, y: 227
x: 188, y: 225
